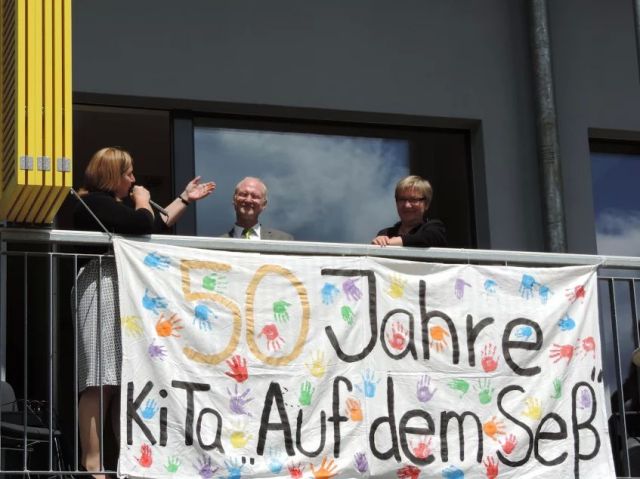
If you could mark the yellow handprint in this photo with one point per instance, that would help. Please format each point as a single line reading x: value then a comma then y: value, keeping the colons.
x: 131, y: 325
x: 534, y: 408
x: 396, y: 288
x: 318, y: 366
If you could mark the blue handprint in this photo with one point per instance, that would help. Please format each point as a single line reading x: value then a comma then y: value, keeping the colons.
x: 275, y: 460
x: 369, y: 383
x: 154, y: 260
x: 452, y: 472
x: 544, y: 291
x: 329, y: 292
x: 525, y: 333
x: 490, y: 286
x: 526, y: 286
x: 150, y: 409
x: 153, y: 303
x: 202, y: 312
x: 234, y: 468
x: 566, y: 323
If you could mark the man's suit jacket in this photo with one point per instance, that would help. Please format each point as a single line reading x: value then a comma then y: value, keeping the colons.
x: 266, y: 234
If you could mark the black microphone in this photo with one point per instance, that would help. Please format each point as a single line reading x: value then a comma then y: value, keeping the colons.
x: 153, y: 204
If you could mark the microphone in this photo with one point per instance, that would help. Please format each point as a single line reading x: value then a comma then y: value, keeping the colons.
x: 154, y: 205
x: 158, y: 208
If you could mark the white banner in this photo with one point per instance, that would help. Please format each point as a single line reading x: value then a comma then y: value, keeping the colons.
x: 244, y: 365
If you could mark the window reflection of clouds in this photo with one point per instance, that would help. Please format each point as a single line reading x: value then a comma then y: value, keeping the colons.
x: 616, y: 203
x: 321, y: 187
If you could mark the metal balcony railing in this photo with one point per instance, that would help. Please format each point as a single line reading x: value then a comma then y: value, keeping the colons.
x: 38, y: 352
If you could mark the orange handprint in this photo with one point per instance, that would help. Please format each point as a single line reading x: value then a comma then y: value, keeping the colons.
x: 326, y: 469
x: 438, y: 338
x: 493, y: 428
x: 168, y: 327
x: 354, y: 409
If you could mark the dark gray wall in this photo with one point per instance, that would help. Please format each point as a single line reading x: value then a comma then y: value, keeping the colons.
x: 597, y: 86
x: 456, y: 59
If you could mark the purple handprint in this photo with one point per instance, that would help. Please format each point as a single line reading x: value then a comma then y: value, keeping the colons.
x: 205, y: 468
x: 360, y: 459
x: 237, y: 402
x: 423, y: 391
x: 157, y: 351
x: 584, y: 399
x: 351, y: 290
x: 459, y: 287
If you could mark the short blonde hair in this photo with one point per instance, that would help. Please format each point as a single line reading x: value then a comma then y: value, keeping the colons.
x: 415, y: 182
x: 105, y: 170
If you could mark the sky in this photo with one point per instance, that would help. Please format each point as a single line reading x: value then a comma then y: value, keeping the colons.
x: 616, y: 196
x: 321, y: 187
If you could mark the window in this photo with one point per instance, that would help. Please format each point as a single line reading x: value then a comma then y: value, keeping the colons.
x: 332, y: 182
x: 615, y: 168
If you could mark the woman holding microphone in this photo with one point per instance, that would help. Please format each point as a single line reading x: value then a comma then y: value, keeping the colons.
x: 109, y: 179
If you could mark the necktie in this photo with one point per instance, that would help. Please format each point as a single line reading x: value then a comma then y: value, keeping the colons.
x: 246, y: 233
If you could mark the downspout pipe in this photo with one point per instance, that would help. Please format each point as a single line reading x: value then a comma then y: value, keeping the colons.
x: 547, y: 128
x: 636, y: 21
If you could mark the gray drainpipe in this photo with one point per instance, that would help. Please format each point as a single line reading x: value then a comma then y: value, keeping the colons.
x: 547, y: 128
x: 636, y: 16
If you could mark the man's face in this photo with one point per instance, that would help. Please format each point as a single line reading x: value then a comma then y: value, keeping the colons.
x: 249, y: 201
x: 411, y: 205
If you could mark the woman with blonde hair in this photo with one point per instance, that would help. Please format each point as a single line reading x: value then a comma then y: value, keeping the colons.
x: 109, y: 179
x: 413, y: 198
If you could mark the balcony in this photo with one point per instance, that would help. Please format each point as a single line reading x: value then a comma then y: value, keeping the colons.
x: 38, y: 354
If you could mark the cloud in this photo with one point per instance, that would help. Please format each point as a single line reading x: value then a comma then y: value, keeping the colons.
x: 618, y: 232
x: 321, y: 187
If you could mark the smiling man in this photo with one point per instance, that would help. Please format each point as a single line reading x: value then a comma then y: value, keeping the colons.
x: 249, y: 200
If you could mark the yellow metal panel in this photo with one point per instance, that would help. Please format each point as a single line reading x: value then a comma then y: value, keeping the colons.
x: 21, y: 87
x: 63, y: 108
x: 33, y: 199
x: 48, y: 192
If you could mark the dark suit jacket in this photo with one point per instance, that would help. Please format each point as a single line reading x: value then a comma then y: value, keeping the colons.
x: 266, y: 234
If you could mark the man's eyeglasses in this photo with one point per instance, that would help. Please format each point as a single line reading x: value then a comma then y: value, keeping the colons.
x: 411, y: 201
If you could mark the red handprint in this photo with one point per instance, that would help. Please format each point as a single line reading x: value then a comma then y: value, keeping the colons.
x: 561, y: 351
x: 489, y: 362
x: 408, y: 472
x: 398, y: 336
x: 509, y: 444
x: 238, y: 366
x: 145, y: 459
x: 579, y: 292
x: 295, y: 471
x: 589, y: 346
x: 422, y: 449
x: 491, y: 467
x: 274, y: 340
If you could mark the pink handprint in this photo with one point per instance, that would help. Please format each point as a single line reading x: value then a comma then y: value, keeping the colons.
x: 295, y: 471
x: 561, y: 351
x: 422, y: 449
x: 509, y: 444
x: 274, y: 340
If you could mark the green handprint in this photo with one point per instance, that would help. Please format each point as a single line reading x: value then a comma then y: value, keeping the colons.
x: 280, y: 313
x: 557, y: 389
x: 306, y: 391
x: 486, y: 391
x: 173, y: 464
x: 347, y: 315
x: 214, y: 282
x: 459, y: 385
